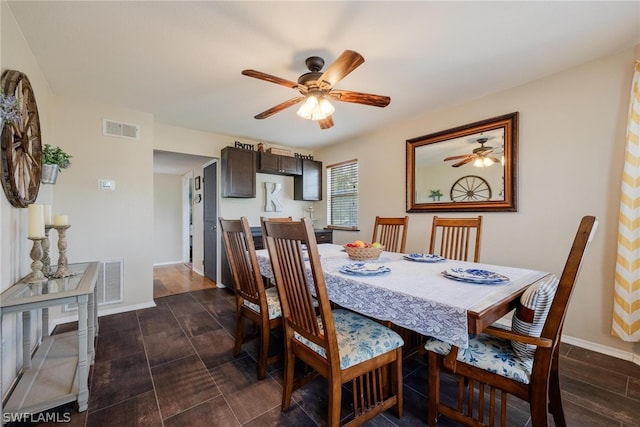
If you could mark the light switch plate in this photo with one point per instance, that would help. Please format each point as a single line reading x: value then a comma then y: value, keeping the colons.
x: 106, y: 184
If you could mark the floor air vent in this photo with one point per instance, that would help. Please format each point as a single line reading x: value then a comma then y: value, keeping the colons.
x: 119, y: 129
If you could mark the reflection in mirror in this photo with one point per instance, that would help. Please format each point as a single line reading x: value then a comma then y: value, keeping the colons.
x: 470, y: 168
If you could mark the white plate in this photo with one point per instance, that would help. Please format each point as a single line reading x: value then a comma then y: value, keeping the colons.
x: 475, y: 275
x: 424, y: 257
x: 364, y: 269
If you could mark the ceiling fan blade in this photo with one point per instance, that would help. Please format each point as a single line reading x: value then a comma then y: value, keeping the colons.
x: 462, y: 156
x: 326, y: 123
x: 268, y: 77
x: 348, y: 61
x: 463, y: 162
x: 359, y: 98
x: 286, y: 104
x: 495, y: 160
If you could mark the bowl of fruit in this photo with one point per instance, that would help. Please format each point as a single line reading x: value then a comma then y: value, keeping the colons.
x: 361, y: 251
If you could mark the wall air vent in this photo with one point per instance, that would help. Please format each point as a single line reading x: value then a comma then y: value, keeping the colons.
x: 110, y: 284
x: 119, y: 129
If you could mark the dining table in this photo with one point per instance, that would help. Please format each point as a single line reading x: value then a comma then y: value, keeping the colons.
x: 417, y: 293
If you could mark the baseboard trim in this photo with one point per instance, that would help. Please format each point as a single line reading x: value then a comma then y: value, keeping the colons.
x: 124, y: 309
x: 159, y: 264
x: 101, y: 312
x: 603, y: 349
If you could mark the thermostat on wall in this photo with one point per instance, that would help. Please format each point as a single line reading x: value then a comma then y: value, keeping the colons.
x: 106, y: 184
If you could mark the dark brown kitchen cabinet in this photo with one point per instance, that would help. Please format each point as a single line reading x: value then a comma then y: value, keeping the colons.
x: 238, y: 173
x: 279, y: 165
x: 308, y: 186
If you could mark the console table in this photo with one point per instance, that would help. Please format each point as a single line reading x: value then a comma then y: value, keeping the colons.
x: 59, y: 370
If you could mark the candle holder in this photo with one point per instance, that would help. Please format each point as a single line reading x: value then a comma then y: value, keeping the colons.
x: 310, y: 210
x: 36, y: 275
x: 62, y: 270
x: 46, y: 244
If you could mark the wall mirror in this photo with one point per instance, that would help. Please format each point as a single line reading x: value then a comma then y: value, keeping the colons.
x: 468, y: 168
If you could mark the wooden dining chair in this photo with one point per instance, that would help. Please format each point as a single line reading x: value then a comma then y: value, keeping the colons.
x: 340, y: 345
x: 274, y: 219
x: 267, y: 280
x: 522, y: 361
x: 453, y: 237
x: 391, y: 233
x: 253, y: 302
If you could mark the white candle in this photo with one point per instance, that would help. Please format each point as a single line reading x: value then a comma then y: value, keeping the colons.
x: 61, y: 220
x: 48, y: 216
x: 36, y: 222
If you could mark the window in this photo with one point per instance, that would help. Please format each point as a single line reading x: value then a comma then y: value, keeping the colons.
x: 342, y: 201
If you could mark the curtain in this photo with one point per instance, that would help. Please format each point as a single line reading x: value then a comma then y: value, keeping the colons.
x: 626, y: 304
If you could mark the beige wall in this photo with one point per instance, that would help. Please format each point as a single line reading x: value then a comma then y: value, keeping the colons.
x: 571, y: 147
x: 14, y: 245
x: 108, y: 225
x: 17, y: 56
x: 167, y: 218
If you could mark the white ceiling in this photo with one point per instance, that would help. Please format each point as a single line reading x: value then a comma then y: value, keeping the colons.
x: 182, y: 60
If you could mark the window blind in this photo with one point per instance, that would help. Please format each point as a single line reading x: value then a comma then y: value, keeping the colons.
x: 342, y: 201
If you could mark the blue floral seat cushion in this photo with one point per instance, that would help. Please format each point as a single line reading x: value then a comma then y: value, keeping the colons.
x: 489, y: 353
x: 273, y: 302
x: 359, y: 338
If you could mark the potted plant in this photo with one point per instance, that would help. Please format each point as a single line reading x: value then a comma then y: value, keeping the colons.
x: 53, y: 159
x: 435, y: 195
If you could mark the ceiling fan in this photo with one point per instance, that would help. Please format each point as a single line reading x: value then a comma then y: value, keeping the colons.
x: 480, y: 156
x: 317, y: 88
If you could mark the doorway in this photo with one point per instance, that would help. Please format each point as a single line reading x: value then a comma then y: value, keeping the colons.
x: 178, y: 175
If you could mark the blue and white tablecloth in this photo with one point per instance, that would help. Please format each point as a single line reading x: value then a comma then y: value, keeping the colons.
x: 414, y: 295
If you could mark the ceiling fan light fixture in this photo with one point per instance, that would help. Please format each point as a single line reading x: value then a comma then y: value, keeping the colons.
x: 483, y: 162
x: 315, y: 108
x: 326, y: 108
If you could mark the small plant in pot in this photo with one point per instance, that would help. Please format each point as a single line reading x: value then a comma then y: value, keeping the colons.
x: 435, y: 195
x: 53, y: 159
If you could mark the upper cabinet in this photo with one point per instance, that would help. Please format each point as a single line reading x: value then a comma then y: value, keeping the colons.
x: 280, y: 165
x: 239, y: 167
x: 238, y: 173
x: 308, y: 186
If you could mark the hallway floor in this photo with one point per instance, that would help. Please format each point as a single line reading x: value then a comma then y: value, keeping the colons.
x: 176, y: 279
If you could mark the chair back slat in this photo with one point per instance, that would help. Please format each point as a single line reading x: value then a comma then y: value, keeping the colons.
x: 453, y: 238
x: 391, y: 232
x: 242, y: 259
x: 284, y: 241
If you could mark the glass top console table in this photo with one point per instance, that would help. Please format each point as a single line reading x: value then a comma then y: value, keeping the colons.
x: 59, y: 370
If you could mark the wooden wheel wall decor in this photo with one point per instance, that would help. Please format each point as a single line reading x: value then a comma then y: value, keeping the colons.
x: 470, y: 188
x: 21, y: 145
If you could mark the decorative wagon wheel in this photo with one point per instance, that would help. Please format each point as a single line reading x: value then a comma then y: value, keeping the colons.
x: 21, y: 146
x: 470, y: 188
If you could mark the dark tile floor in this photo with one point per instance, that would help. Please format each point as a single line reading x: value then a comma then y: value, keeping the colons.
x: 172, y: 366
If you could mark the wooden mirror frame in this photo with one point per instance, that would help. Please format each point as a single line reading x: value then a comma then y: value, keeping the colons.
x: 508, y: 124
